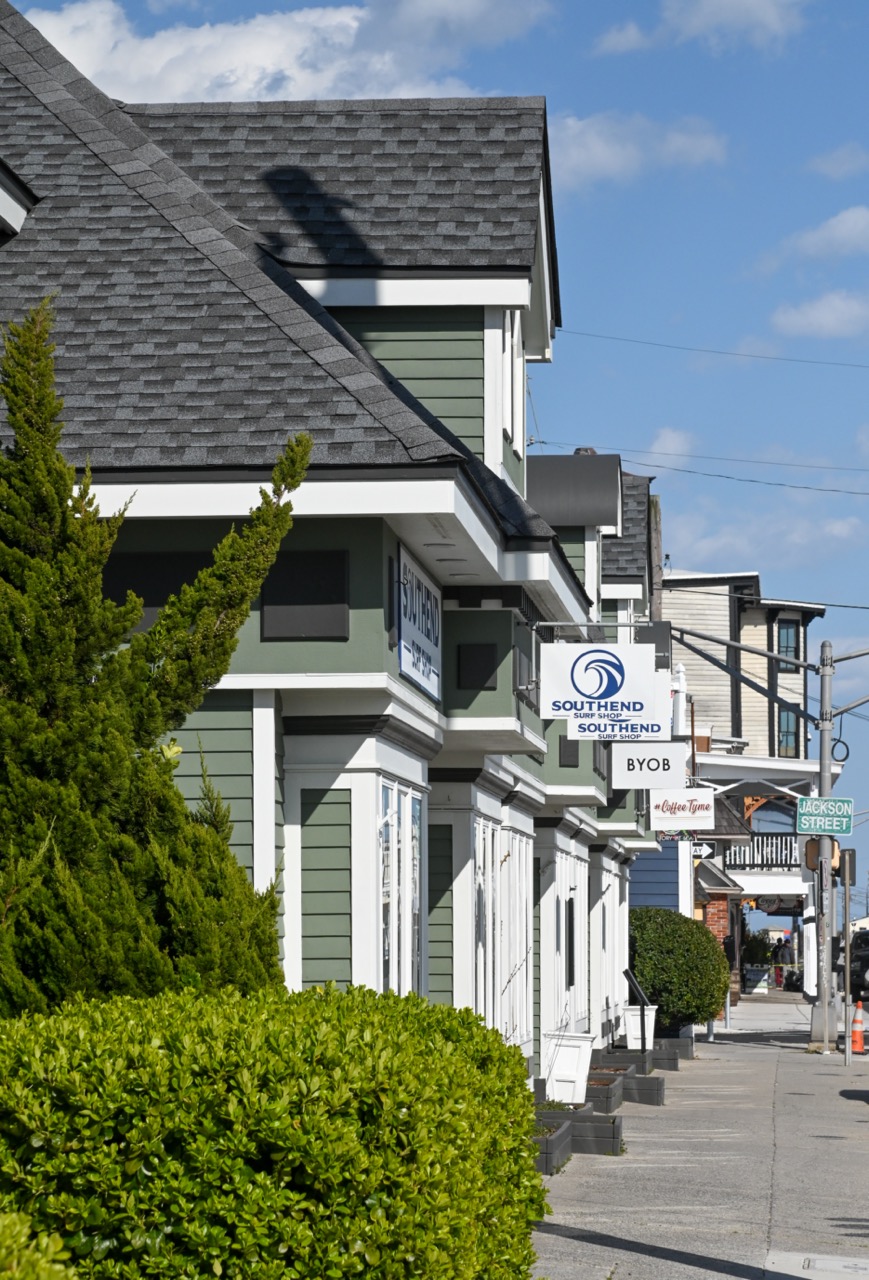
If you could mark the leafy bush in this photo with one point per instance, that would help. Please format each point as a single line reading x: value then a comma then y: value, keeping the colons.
x: 29, y: 1258
x: 679, y: 965
x: 320, y: 1134
x: 757, y: 948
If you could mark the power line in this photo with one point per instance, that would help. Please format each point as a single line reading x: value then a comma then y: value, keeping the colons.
x: 719, y: 475
x: 714, y: 351
x: 716, y: 457
x: 749, y: 599
x: 769, y: 484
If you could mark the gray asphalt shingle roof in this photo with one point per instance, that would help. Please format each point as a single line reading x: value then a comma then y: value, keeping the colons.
x: 450, y: 183
x: 177, y: 345
x: 628, y: 556
x: 181, y: 343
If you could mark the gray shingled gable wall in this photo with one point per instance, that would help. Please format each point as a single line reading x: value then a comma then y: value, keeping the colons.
x: 628, y: 555
x: 176, y: 345
x: 449, y: 183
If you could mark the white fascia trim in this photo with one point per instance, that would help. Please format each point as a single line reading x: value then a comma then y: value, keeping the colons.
x: 12, y: 213
x: 579, y: 797
x: 537, y: 567
x: 382, y: 499
x: 495, y: 724
x: 339, y: 682
x: 622, y: 591
x: 456, y: 291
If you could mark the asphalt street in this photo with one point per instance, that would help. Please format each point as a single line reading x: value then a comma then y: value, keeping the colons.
x: 756, y: 1167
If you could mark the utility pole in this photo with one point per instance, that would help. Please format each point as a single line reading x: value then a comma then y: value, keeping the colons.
x: 820, y: 1029
x: 821, y: 1012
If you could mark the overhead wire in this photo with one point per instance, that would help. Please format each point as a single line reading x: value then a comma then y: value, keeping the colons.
x: 714, y: 351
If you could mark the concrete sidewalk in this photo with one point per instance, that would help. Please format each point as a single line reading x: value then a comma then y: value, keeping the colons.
x: 758, y: 1166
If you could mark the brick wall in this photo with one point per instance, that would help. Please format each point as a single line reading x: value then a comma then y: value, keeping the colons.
x: 717, y: 917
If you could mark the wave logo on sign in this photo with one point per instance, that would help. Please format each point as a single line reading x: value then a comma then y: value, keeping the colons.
x: 598, y: 673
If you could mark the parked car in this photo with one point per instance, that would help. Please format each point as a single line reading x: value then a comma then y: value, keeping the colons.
x: 860, y: 963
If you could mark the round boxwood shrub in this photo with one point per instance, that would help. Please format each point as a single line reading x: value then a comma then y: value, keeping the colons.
x: 680, y: 966
x: 28, y: 1257
x: 320, y: 1134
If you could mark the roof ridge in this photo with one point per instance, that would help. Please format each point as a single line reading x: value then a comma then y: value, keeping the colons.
x: 362, y: 105
x: 194, y: 215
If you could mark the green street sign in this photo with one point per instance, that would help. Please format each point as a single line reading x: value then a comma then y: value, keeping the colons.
x: 824, y: 816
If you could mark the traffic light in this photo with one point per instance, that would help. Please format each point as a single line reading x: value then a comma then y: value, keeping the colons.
x: 813, y: 853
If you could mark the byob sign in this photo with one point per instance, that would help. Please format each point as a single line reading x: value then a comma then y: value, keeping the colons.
x: 419, y: 626
x: 824, y: 816
x: 608, y: 692
x: 655, y: 765
x: 692, y: 809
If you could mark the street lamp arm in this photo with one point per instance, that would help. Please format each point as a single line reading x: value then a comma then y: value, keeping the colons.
x: 846, y: 657
x: 748, y: 648
x: 849, y: 706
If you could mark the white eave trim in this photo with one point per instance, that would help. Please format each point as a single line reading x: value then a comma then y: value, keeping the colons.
x: 444, y: 291
x: 393, y: 500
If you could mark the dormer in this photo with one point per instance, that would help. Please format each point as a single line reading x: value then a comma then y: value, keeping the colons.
x: 16, y: 201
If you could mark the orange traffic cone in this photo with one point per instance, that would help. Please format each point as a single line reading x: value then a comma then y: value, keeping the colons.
x: 857, y: 1029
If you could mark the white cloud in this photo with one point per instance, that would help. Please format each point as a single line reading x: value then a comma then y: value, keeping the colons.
x: 837, y: 314
x: 719, y: 24
x: 624, y: 39
x: 844, y: 529
x: 845, y: 233
x: 671, y: 440
x: 843, y: 162
x: 719, y: 537
x: 375, y: 48
x: 611, y: 147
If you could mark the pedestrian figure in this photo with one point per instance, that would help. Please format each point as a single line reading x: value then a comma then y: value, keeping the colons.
x: 777, y: 963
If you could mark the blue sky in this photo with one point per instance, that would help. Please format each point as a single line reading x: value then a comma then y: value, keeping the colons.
x: 711, y: 169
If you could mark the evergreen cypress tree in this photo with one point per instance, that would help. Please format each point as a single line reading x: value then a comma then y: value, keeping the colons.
x: 107, y: 882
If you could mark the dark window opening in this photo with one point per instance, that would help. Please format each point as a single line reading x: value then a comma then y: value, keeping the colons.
x: 570, y: 941
x: 568, y: 752
x: 787, y: 733
x: 788, y: 643
x: 307, y: 597
x: 477, y: 666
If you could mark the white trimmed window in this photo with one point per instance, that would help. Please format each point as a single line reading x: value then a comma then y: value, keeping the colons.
x: 402, y: 866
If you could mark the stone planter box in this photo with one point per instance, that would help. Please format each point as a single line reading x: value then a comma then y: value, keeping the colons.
x: 646, y: 1089
x: 624, y: 1058
x: 566, y: 1056
x: 633, y: 1020
x: 591, y: 1134
x: 554, y: 1149
x: 665, y: 1056
x: 605, y: 1093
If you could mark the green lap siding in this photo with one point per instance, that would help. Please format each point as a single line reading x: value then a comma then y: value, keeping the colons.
x: 223, y: 726
x: 438, y: 355
x: 326, y: 897
x: 440, y: 914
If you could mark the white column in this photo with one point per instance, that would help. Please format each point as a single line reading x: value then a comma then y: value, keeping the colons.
x: 263, y: 788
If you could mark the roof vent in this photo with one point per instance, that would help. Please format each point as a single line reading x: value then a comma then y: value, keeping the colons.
x: 16, y: 201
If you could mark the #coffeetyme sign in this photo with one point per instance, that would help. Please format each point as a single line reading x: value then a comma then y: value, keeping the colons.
x: 607, y: 692
x: 419, y: 629
x: 692, y: 809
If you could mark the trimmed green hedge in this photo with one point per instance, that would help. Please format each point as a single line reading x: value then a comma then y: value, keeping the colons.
x: 321, y: 1134
x: 27, y: 1257
x: 679, y: 964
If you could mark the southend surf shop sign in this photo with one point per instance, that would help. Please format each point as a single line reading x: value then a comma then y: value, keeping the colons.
x: 419, y: 630
x: 604, y: 692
